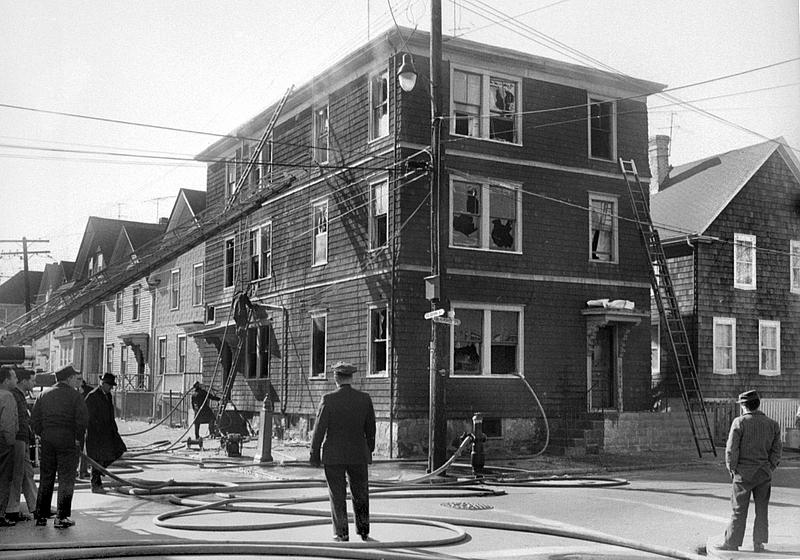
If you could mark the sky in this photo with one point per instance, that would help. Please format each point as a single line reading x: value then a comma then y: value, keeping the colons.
x: 209, y: 66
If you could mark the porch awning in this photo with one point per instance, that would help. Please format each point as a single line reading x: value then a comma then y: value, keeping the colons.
x: 606, y: 315
x: 215, y: 333
x: 135, y: 339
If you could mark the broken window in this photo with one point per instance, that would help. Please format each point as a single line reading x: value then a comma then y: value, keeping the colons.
x: 466, y: 214
x: 379, y: 340
x: 467, y: 103
x: 468, y: 342
x: 379, y: 106
x: 485, y: 215
x: 485, y: 106
x: 502, y: 109
x: 602, y: 229
x: 487, y: 340
x: 601, y: 128
x: 503, y: 214
x: 320, y: 213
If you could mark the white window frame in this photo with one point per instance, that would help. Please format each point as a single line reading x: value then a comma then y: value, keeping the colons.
x: 319, y: 238
x: 376, y: 80
x: 373, y: 216
x: 181, y: 353
x: 321, y: 133
x: 258, y: 259
x: 175, y: 289
x: 603, y: 197
x: 136, y: 303
x: 738, y: 240
x: 109, y: 358
x: 486, y: 339
x: 761, y: 348
x: 485, y: 213
x: 371, y: 371
x: 118, y: 311
x: 794, y: 266
x: 198, y: 301
x: 123, y: 359
x: 226, y: 265
x: 484, y: 113
x: 592, y: 99
x: 323, y: 373
x: 162, y: 357
x: 731, y: 322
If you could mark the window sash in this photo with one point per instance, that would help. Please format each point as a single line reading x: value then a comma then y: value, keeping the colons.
x: 485, y: 106
x: 319, y: 325
x: 379, y: 105
x: 601, y: 128
x: 379, y: 208
x: 135, y: 303
x: 602, y: 229
x: 109, y: 358
x: 724, y: 343
x: 162, y: 355
x: 175, y: 289
x: 266, y: 251
x: 378, y: 341
x: 181, y: 354
x: 229, y: 256
x: 123, y: 360
x: 118, y: 307
x: 320, y: 212
x: 744, y: 261
x: 254, y: 246
x: 485, y: 215
x: 769, y: 347
x: 321, y: 134
x: 197, y: 284
x: 487, y: 341
x: 503, y: 109
x: 794, y: 265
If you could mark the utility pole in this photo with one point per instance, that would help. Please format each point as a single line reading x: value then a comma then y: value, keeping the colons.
x: 25, y: 253
x: 439, y: 358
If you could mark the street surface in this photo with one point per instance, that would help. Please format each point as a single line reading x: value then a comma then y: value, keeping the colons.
x: 677, y: 507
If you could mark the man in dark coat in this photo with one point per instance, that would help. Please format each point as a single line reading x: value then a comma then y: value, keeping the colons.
x: 201, y: 404
x: 23, y: 482
x: 103, y: 442
x: 343, y: 441
x: 59, y: 417
x: 752, y: 454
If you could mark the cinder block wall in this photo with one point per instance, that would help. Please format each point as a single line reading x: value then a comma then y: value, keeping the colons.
x: 643, y: 431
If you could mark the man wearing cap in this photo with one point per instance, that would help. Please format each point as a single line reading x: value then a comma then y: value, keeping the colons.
x: 59, y: 418
x: 23, y: 482
x: 103, y: 442
x: 9, y: 425
x: 343, y: 441
x: 752, y: 454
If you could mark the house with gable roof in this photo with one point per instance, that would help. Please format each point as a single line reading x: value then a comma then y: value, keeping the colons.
x: 730, y: 228
x: 54, y: 278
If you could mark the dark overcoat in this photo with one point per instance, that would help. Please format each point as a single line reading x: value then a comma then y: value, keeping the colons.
x: 202, y: 406
x: 344, y: 433
x: 103, y: 442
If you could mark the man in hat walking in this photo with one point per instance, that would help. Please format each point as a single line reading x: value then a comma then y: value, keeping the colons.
x: 59, y: 417
x: 752, y: 454
x: 103, y: 442
x: 343, y: 441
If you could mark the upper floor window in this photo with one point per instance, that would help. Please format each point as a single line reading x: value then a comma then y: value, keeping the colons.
x: 485, y: 106
x: 181, y: 353
x: 724, y: 341
x: 319, y: 328
x: 136, y: 300
x: 379, y: 214
x: 320, y: 217
x: 379, y: 105
x: 378, y: 341
x: 260, y: 252
x: 602, y: 128
x: 744, y: 261
x: 229, y: 262
x: 487, y: 341
x: 794, y: 266
x: 769, y: 347
x: 485, y: 215
x: 175, y: 289
x: 602, y: 228
x: 262, y: 172
x: 197, y: 284
x: 321, y: 134
x: 118, y: 307
x: 230, y: 178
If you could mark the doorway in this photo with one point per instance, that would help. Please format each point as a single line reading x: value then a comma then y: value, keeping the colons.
x: 603, y: 370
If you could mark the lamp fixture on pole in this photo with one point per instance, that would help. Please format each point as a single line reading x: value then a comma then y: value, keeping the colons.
x: 407, y: 74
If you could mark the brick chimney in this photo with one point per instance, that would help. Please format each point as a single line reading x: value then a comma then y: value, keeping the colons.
x: 658, y: 151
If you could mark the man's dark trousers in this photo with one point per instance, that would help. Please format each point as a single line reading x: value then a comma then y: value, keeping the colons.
x: 740, y: 500
x: 359, y: 490
x: 6, y: 473
x: 64, y: 460
x: 97, y: 474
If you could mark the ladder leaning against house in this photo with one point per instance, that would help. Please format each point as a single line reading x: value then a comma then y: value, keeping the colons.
x: 664, y: 293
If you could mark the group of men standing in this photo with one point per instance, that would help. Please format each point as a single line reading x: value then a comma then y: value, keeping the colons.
x: 63, y: 419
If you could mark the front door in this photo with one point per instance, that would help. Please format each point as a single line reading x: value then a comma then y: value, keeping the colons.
x: 603, y: 375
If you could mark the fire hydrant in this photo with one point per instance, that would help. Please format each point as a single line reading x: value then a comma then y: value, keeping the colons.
x: 264, y: 448
x: 477, y: 457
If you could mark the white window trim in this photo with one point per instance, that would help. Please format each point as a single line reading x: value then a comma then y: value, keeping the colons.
x: 178, y: 353
x: 723, y: 321
x: 371, y: 226
x: 486, y: 336
x: 158, y: 355
x: 794, y: 262
x: 737, y: 238
x: 777, y: 326
x: 119, y: 311
x: 134, y: 317
x: 324, y: 374
x: 320, y: 154
x: 260, y: 249
x: 314, y: 205
x: 172, y: 274
x: 484, y: 115
x: 613, y: 102
x: 615, y: 241
x: 372, y: 125
x: 225, y: 263
x: 194, y: 278
x: 385, y: 372
x: 485, y: 223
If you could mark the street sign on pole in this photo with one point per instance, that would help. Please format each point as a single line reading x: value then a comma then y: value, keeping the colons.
x: 434, y: 313
x: 447, y: 321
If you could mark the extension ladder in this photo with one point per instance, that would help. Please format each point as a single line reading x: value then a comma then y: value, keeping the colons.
x: 664, y: 293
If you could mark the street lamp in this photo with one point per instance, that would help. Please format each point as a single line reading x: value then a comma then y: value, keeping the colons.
x: 407, y: 74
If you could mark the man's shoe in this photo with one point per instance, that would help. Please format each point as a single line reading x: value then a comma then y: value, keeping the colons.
x: 345, y: 538
x: 6, y: 522
x: 41, y: 521
x: 726, y: 546
x: 23, y: 517
x: 98, y: 490
x: 365, y: 537
x: 759, y: 547
x: 63, y: 523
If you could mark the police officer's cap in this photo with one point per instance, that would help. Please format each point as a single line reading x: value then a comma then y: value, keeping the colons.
x: 748, y: 396
x: 344, y: 369
x: 65, y: 373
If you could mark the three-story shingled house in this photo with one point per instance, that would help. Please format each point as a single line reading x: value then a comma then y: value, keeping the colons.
x: 539, y: 224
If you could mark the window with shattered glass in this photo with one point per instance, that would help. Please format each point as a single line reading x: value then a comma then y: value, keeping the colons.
x: 487, y: 340
x: 466, y: 214
x: 601, y: 128
x: 379, y: 340
x: 320, y: 232
x: 468, y: 342
x: 602, y: 218
x: 502, y: 110
x: 485, y: 216
x: 467, y: 103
